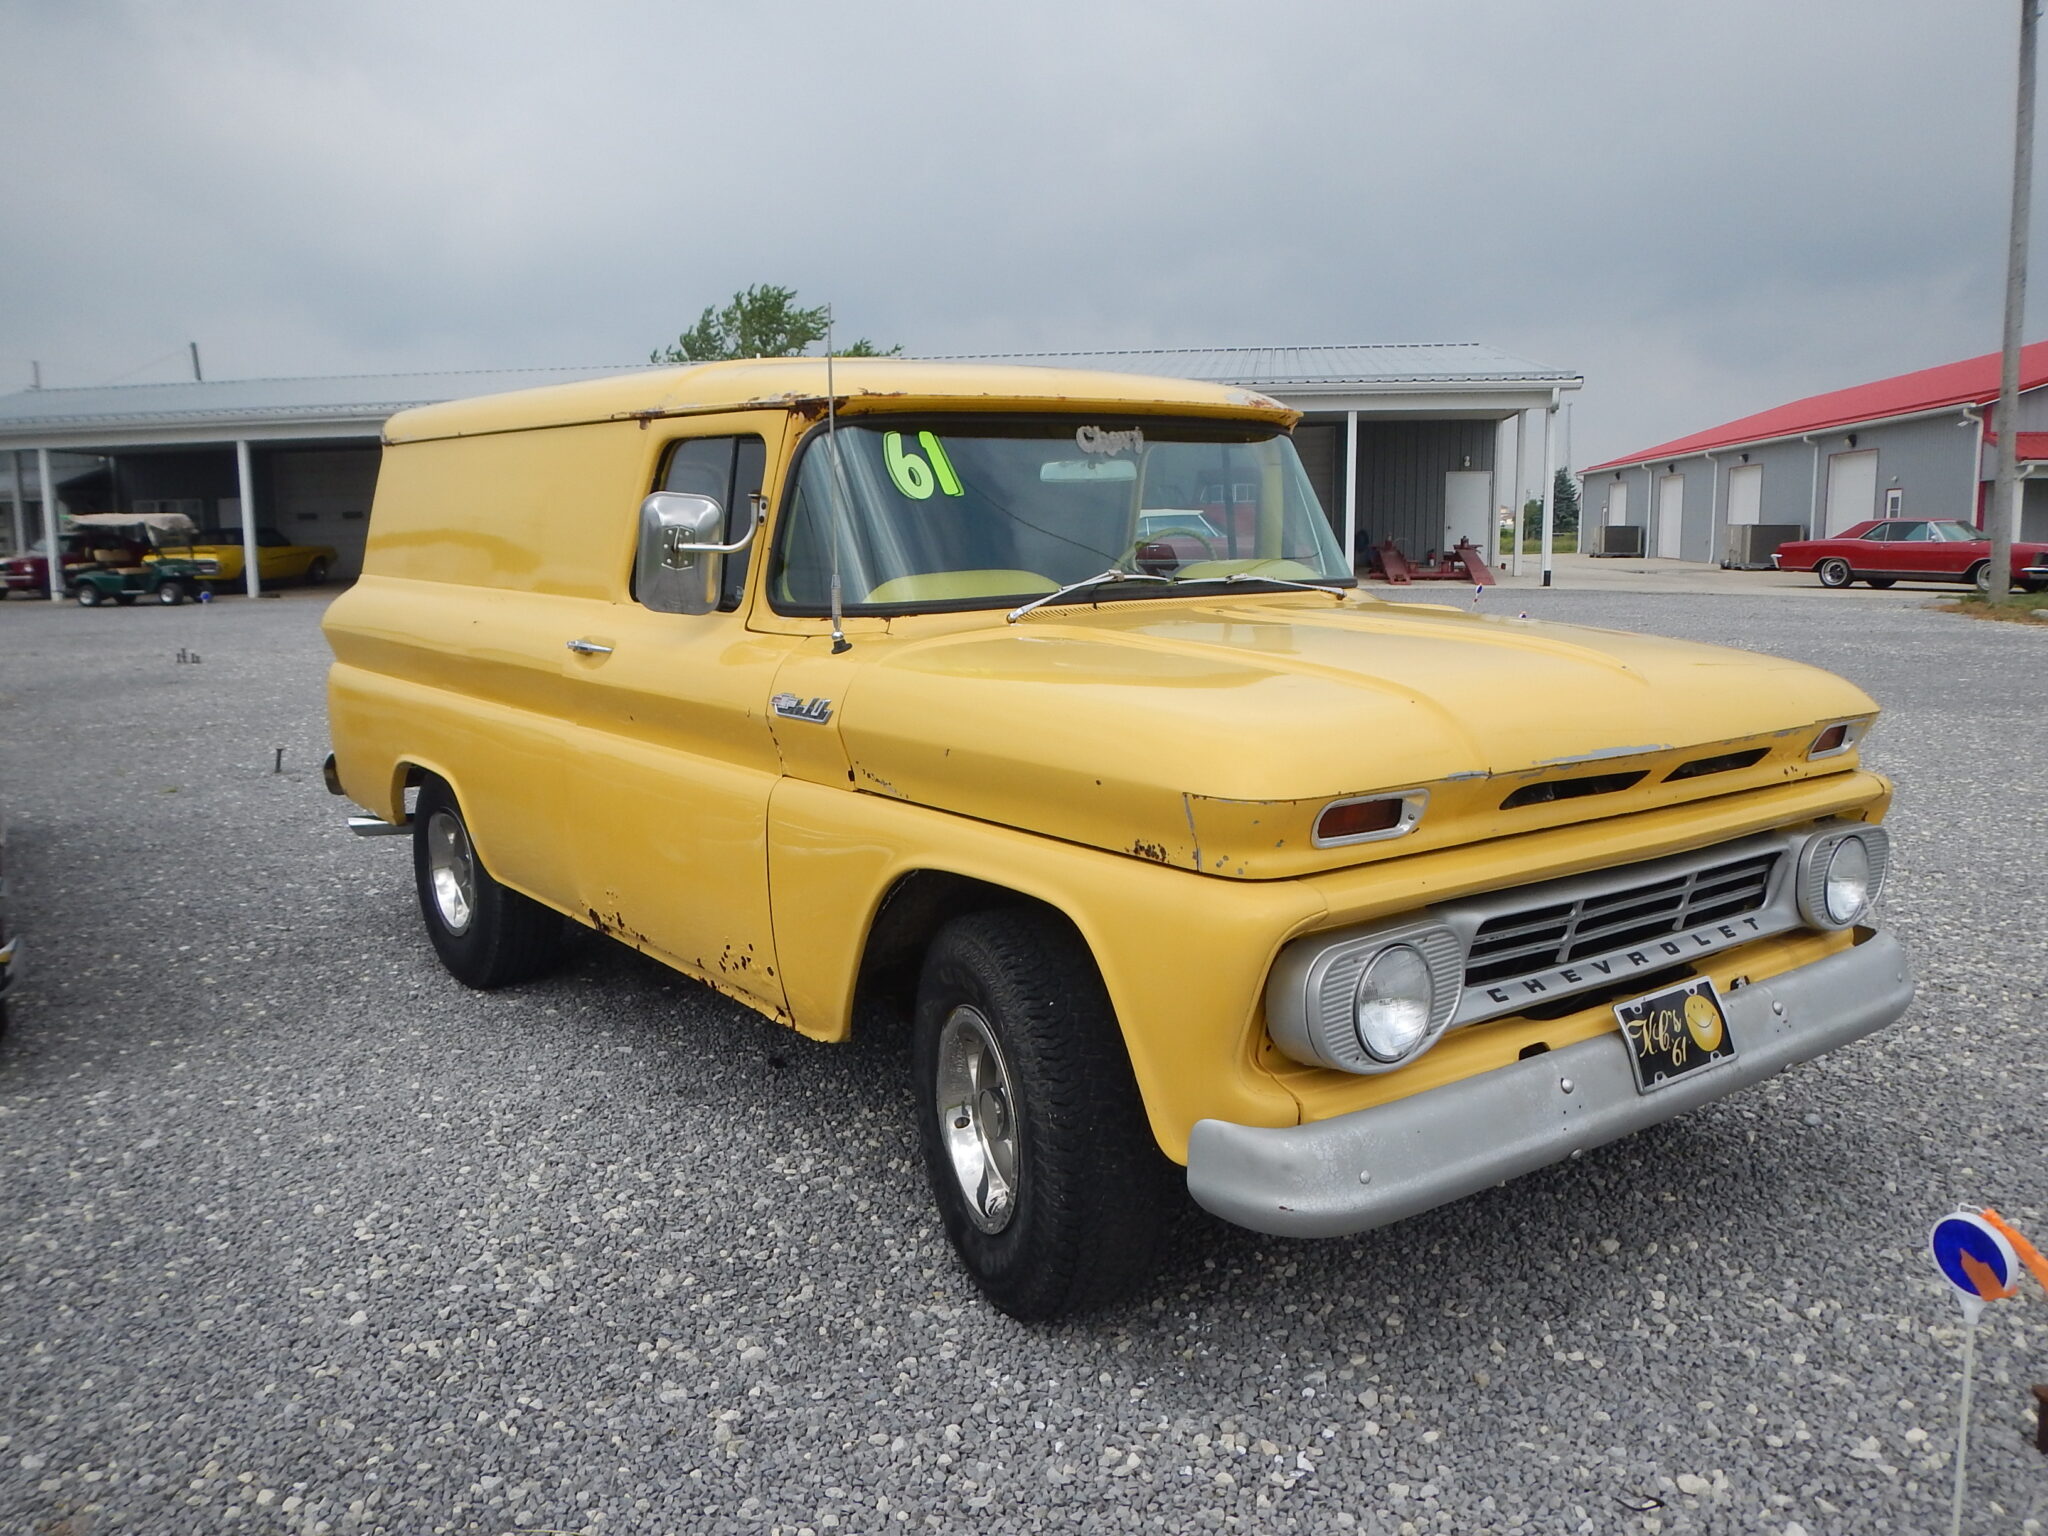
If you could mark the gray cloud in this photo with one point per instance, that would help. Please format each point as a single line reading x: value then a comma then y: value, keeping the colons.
x: 1705, y: 209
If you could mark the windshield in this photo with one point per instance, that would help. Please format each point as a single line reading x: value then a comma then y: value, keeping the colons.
x: 983, y: 511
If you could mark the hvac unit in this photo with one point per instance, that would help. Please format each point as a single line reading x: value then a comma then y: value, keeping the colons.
x: 1749, y: 545
x: 1615, y: 539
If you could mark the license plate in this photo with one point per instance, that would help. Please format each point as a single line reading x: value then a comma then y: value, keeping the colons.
x: 1678, y: 1030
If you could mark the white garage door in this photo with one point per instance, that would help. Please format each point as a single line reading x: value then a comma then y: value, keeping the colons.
x: 1670, y: 515
x: 1746, y: 494
x: 1852, y: 489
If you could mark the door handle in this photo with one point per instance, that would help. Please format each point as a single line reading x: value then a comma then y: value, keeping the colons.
x: 589, y: 648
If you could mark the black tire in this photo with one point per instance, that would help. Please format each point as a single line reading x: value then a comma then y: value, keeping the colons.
x: 1834, y: 573
x: 316, y: 573
x: 170, y: 593
x: 88, y: 595
x: 1880, y: 582
x: 1090, y: 1196
x: 1979, y: 576
x: 493, y: 937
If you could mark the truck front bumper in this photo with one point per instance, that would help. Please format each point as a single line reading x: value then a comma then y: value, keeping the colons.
x: 1354, y: 1172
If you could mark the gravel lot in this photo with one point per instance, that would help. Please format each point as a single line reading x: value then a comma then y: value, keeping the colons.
x: 298, y: 1235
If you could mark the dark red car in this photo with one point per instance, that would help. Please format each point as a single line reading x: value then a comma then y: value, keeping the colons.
x: 28, y: 575
x: 1890, y: 549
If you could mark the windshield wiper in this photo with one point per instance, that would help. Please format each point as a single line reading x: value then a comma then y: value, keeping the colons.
x: 1266, y: 581
x: 1115, y: 573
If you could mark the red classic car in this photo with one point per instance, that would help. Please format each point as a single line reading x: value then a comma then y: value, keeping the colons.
x: 28, y: 574
x: 1890, y: 549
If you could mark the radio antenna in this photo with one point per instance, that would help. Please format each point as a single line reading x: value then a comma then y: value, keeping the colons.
x: 839, y: 641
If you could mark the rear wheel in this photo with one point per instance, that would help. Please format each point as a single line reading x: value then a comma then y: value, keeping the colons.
x: 316, y: 573
x: 1035, y: 1140
x: 1880, y: 582
x: 487, y: 934
x: 1980, y: 575
x: 1834, y: 573
x: 170, y: 593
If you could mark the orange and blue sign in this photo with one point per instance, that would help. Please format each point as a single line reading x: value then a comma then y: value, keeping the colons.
x: 1974, y: 1256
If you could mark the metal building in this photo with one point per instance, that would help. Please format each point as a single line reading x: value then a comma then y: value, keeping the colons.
x: 1915, y: 445
x: 1411, y: 442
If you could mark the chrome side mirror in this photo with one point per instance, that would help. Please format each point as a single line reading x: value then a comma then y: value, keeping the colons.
x: 679, y: 563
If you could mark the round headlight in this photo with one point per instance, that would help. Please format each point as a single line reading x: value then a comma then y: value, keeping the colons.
x: 1393, y: 1003
x: 1845, y: 888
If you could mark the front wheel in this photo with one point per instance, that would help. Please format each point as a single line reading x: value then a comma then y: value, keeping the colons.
x: 1035, y: 1140
x: 1834, y: 573
x: 170, y: 593
x: 316, y: 573
x: 487, y: 934
x: 1980, y: 574
x: 88, y: 595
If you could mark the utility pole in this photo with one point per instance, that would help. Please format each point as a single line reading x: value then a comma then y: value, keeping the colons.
x: 2007, y: 481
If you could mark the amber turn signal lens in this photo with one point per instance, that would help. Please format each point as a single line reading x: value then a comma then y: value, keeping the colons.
x: 1829, y: 740
x: 1356, y: 818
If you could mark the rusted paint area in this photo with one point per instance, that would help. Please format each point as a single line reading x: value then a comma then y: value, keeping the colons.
x: 866, y: 778
x: 1156, y: 852
x: 614, y: 927
x: 736, y: 957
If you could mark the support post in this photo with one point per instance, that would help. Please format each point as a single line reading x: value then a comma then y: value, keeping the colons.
x: 1549, y: 479
x: 48, y: 484
x: 2004, y: 501
x: 14, y: 497
x: 246, y: 481
x: 1521, y: 485
x: 1351, y: 490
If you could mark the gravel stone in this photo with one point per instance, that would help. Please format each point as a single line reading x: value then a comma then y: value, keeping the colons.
x: 298, y: 1235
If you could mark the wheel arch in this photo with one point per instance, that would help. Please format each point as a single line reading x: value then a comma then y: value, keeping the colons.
x: 917, y: 904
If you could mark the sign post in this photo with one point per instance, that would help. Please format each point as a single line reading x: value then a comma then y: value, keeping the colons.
x: 1975, y: 1256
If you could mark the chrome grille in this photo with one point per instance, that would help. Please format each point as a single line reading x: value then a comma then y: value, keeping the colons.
x: 1540, y: 938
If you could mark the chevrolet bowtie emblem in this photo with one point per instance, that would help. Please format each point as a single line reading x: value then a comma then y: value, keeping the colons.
x: 790, y: 707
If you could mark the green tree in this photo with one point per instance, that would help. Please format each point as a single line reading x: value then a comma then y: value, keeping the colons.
x: 761, y: 321
x: 1564, y: 509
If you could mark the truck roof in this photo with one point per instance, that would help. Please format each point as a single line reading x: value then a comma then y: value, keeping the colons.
x: 861, y: 384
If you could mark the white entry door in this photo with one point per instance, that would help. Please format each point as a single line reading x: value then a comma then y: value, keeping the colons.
x: 1468, y: 508
x: 1746, y: 494
x: 1617, y: 503
x: 1852, y: 489
x: 1670, y: 515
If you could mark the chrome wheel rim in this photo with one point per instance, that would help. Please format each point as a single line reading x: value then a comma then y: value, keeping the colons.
x: 451, y: 867
x: 978, y: 1117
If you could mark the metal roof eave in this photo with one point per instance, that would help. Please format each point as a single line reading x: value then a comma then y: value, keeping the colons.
x: 1828, y: 429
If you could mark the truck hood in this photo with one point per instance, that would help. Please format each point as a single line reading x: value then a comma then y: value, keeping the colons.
x: 1208, y: 734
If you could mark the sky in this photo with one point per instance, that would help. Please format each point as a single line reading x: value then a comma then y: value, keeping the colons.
x: 1706, y: 209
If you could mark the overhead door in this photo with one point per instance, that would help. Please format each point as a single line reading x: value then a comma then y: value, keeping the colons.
x: 1852, y: 490
x: 1670, y: 515
x: 1745, y: 494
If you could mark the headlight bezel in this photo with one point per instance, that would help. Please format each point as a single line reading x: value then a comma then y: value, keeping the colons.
x: 1816, y: 865
x: 1311, y: 996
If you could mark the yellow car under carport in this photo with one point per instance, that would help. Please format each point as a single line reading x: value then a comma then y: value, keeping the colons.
x: 277, y: 558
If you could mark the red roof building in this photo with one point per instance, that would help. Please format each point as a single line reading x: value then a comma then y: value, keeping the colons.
x: 1914, y: 445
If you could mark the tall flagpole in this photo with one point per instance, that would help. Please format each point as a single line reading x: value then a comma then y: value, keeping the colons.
x: 2003, y: 508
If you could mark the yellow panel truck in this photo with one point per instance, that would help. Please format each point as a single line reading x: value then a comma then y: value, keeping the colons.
x: 1042, y: 708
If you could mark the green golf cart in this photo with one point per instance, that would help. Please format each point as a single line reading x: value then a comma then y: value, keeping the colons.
x: 114, y: 575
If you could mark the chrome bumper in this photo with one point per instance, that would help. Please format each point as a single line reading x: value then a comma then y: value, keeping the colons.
x: 1374, y: 1166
